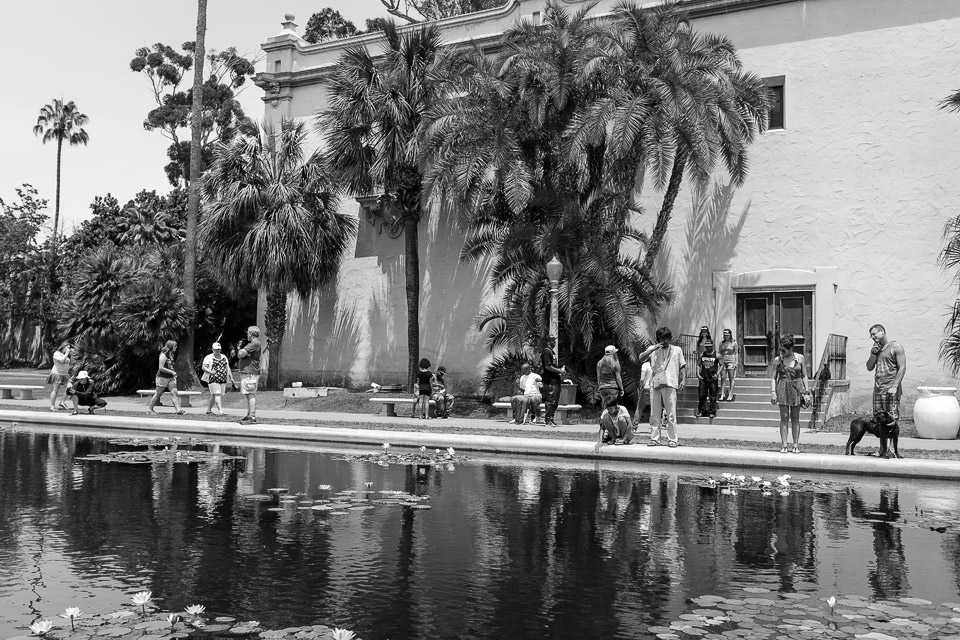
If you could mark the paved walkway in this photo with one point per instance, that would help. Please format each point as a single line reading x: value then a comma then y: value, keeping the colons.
x: 369, y: 429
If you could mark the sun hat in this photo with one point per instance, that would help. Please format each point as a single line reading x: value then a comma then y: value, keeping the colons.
x: 83, y: 375
x: 216, y: 345
x: 610, y: 349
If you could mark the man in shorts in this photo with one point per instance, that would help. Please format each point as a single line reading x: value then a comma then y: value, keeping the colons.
x: 249, y: 366
x: 889, y: 362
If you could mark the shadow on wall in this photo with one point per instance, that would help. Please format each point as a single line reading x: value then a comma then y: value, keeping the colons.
x: 709, y: 245
x: 355, y: 332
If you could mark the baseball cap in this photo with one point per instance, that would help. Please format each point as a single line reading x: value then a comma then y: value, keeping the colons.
x: 83, y: 375
x: 610, y: 349
x: 216, y: 345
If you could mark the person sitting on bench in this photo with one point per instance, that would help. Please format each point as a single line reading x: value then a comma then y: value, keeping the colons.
x: 82, y: 393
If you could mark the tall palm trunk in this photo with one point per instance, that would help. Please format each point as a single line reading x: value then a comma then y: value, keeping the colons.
x: 56, y: 208
x: 193, y: 198
x: 46, y: 353
x: 275, y: 323
x: 666, y: 210
x: 411, y: 258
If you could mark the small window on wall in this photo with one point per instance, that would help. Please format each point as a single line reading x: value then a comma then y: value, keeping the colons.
x: 775, y: 86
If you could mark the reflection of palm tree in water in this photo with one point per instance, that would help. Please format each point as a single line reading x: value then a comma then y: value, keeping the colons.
x: 888, y: 578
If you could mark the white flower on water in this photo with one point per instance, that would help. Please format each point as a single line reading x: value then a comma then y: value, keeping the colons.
x: 831, y: 602
x: 385, y: 445
x: 40, y: 627
x: 784, y: 493
x: 756, y: 478
x: 727, y: 475
x: 195, y: 609
x: 142, y: 599
x: 451, y: 452
x: 767, y: 483
x: 252, y: 623
x: 172, y: 619
x: 767, y: 493
x: 741, y: 478
x: 70, y: 614
x: 342, y: 634
x: 423, y: 449
x: 438, y: 451
x: 324, y: 487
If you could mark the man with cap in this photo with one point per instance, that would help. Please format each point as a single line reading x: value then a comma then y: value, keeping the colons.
x: 708, y: 367
x: 82, y: 393
x: 217, y: 375
x: 609, y: 383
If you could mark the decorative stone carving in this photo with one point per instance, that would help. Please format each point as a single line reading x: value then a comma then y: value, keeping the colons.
x: 384, y: 217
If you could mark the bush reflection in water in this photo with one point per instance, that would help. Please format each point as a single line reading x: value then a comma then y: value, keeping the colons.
x: 508, y: 549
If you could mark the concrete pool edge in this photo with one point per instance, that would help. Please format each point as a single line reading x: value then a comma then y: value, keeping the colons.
x: 718, y: 457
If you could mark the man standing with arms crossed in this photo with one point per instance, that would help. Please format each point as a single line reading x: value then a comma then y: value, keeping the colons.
x: 890, y: 362
x: 249, y: 366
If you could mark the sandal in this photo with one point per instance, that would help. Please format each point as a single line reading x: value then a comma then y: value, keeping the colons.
x: 181, y: 412
x: 796, y: 449
x: 783, y: 450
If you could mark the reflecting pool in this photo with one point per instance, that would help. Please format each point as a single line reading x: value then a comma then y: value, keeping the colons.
x: 510, y: 548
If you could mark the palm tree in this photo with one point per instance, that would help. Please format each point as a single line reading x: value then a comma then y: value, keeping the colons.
x: 271, y: 221
x: 372, y: 129
x: 63, y: 123
x: 501, y: 149
x: 678, y: 100
x: 951, y: 102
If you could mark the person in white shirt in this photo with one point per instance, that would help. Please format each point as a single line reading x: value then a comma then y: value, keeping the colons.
x: 60, y: 376
x: 530, y: 384
x: 643, y: 392
x: 669, y: 373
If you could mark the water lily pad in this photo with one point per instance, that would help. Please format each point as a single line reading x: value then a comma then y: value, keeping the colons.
x: 277, y: 509
x: 257, y: 497
x: 278, y: 490
x: 216, y: 628
x: 150, y: 625
x: 917, y: 601
x: 339, y: 513
x: 361, y: 507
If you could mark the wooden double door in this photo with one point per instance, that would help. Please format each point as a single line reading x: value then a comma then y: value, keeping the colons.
x: 762, y: 318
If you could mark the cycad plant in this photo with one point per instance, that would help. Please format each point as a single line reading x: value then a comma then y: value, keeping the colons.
x: 271, y: 221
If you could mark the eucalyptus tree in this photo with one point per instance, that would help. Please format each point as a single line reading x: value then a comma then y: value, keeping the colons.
x: 500, y: 148
x: 372, y: 128
x: 677, y: 100
x: 271, y: 221
x: 60, y: 122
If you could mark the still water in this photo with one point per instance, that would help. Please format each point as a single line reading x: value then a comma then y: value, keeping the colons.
x: 511, y: 548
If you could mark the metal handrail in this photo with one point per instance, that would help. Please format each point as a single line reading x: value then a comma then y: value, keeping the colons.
x: 833, y: 366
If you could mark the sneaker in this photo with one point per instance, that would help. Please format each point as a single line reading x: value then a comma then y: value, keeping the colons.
x: 512, y: 421
x: 550, y: 424
x: 245, y: 420
x: 618, y: 441
x: 90, y: 410
x: 653, y: 443
x: 74, y: 413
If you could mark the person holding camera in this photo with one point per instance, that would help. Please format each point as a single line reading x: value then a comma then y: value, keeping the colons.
x: 669, y: 376
x: 889, y: 361
x: 788, y: 389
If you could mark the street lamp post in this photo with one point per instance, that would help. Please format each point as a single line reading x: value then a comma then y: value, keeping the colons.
x: 554, y: 271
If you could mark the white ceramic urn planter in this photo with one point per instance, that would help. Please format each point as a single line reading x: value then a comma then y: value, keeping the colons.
x: 936, y: 413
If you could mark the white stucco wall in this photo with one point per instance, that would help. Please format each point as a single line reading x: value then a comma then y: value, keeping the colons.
x: 857, y: 188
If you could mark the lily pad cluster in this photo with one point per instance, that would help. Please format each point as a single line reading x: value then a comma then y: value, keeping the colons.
x: 731, y: 483
x: 758, y: 613
x: 159, y: 441
x: 421, y: 457
x: 339, y: 503
x: 146, y: 622
x: 161, y: 456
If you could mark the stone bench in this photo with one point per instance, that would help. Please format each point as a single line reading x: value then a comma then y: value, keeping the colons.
x: 388, y: 406
x: 25, y: 391
x: 184, y: 395
x: 561, y: 414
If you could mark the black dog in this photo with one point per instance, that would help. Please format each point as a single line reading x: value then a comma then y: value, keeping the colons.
x: 881, y: 425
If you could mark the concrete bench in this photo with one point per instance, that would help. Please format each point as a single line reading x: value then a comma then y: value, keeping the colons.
x: 25, y: 390
x: 388, y: 406
x: 184, y: 395
x: 561, y: 414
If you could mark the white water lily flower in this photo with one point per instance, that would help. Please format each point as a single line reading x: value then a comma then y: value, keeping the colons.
x: 451, y: 452
x: 767, y: 483
x: 756, y: 478
x: 438, y: 453
x: 784, y: 493
x: 385, y: 445
x: 142, y: 599
x: 768, y: 493
x: 423, y: 449
x: 70, y: 613
x: 832, y: 601
x: 711, y: 481
x: 368, y: 484
x: 199, y: 623
x: 323, y: 487
x: 172, y: 619
x: 195, y: 609
x: 252, y: 623
x: 741, y: 478
x: 40, y: 627
x: 342, y: 634
x: 727, y: 475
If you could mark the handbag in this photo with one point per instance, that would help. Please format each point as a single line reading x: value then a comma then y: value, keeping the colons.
x: 660, y: 372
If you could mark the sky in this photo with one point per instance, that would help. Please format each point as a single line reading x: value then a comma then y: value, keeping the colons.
x: 81, y: 51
